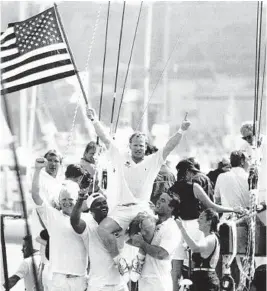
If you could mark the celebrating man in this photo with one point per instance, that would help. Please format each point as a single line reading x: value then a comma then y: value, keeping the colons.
x: 135, y: 175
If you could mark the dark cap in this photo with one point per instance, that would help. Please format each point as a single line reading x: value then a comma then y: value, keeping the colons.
x: 186, y: 165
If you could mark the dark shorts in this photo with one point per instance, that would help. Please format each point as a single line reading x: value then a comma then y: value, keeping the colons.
x: 204, y: 280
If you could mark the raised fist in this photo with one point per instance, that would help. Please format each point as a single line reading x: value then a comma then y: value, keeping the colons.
x: 185, y: 125
x: 90, y: 112
x: 40, y: 163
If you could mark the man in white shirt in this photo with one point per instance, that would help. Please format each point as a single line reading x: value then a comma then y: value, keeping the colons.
x: 49, y: 190
x: 103, y: 274
x: 25, y: 270
x: 156, y: 272
x: 68, y: 256
x: 232, y: 187
x: 135, y: 177
x: 260, y: 155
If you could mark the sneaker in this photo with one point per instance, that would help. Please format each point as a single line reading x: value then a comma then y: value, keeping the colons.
x: 137, y: 267
x: 124, y: 269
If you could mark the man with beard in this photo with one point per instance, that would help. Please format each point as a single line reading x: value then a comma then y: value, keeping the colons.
x: 135, y: 175
x: 103, y: 274
x: 67, y: 255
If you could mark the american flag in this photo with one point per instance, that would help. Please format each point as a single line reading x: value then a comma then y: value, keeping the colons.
x: 33, y: 52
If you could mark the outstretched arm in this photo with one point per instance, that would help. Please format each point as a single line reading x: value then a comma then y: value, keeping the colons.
x: 194, y: 246
x: 203, y: 197
x: 175, y: 139
x: 76, y: 222
x: 39, y: 164
x: 100, y: 131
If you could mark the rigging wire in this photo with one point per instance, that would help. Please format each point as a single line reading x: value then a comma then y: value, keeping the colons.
x: 258, y: 73
x: 128, y: 67
x: 70, y: 137
x: 117, y: 69
x: 258, y: 37
x: 104, y: 64
x: 154, y: 89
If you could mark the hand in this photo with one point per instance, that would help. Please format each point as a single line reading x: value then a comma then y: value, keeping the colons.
x: 179, y: 222
x: 239, y: 210
x: 40, y: 163
x: 90, y: 112
x: 137, y: 240
x: 82, y: 195
x: 185, y: 125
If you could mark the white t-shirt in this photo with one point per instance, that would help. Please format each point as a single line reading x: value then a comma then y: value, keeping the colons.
x: 25, y: 271
x: 49, y: 191
x: 262, y: 166
x: 102, y: 267
x: 135, y: 180
x: 232, y: 188
x: 156, y: 274
x: 67, y: 253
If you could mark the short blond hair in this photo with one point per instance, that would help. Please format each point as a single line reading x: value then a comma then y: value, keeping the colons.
x: 138, y: 134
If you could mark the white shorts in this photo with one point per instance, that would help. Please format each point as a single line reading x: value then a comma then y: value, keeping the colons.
x: 123, y: 215
x: 61, y: 283
x: 192, y: 228
x: 155, y: 284
x: 108, y: 288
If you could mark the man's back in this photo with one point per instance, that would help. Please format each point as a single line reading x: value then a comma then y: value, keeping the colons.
x: 232, y: 188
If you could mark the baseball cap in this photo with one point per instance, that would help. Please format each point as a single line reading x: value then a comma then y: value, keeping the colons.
x: 93, y: 197
x: 186, y: 165
x: 70, y: 187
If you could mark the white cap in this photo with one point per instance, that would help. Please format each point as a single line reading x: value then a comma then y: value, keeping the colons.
x: 93, y: 197
x: 71, y: 188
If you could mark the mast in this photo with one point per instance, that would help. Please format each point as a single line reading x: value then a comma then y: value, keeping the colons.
x: 23, y: 93
x: 166, y: 54
x: 147, y: 65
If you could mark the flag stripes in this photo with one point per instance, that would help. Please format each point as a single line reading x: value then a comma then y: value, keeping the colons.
x: 33, y: 52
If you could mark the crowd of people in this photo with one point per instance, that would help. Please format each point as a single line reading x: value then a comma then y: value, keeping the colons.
x: 82, y: 226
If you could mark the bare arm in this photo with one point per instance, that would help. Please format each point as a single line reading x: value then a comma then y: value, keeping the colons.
x: 105, y: 138
x: 195, y: 247
x: 203, y: 197
x: 175, y: 139
x: 12, y: 281
x: 76, y: 222
x: 39, y: 164
x: 154, y: 251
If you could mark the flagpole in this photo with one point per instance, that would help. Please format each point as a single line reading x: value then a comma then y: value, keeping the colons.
x: 71, y: 56
x: 20, y: 186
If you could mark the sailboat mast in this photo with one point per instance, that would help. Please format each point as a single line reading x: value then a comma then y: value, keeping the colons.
x: 147, y: 65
